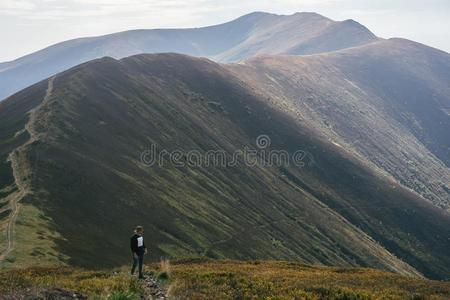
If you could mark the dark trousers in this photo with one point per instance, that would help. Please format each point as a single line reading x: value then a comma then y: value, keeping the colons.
x: 137, y: 258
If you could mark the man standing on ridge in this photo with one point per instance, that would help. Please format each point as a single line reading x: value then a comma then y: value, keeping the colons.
x: 138, y: 250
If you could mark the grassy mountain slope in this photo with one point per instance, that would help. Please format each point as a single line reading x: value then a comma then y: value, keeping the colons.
x: 205, y: 279
x: 88, y: 187
x: 388, y: 102
x: 241, y: 38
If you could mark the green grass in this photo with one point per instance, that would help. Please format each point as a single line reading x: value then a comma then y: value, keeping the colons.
x: 123, y: 296
x: 35, y: 238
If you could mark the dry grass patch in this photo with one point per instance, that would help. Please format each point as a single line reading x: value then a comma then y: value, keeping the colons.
x: 284, y: 280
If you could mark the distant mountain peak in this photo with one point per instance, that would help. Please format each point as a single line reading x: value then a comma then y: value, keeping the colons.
x: 252, y: 34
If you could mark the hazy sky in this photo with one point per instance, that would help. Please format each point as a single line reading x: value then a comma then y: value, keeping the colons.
x: 29, y: 25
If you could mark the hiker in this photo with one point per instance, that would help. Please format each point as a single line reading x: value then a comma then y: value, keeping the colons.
x: 138, y: 249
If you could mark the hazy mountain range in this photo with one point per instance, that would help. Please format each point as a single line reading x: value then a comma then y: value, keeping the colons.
x: 372, y: 115
x: 256, y: 33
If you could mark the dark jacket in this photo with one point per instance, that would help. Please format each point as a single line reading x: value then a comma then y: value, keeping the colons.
x: 137, y: 244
